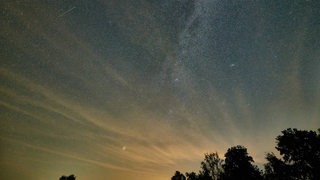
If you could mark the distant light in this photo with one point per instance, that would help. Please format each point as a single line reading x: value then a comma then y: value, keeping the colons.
x: 124, y: 148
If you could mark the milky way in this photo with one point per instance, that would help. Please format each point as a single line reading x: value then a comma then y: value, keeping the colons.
x: 139, y: 89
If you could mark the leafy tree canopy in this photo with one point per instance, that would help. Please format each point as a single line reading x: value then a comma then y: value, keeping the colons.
x: 238, y: 165
x: 300, y: 151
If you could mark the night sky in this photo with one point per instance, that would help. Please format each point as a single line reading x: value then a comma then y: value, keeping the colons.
x: 135, y: 90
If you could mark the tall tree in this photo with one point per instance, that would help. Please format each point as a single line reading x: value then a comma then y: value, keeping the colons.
x: 238, y: 165
x: 211, y: 167
x: 300, y: 152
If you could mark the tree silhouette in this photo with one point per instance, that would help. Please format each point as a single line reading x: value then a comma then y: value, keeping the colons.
x: 63, y: 178
x: 276, y: 169
x: 300, y: 151
x: 192, y: 176
x: 71, y: 177
x: 238, y: 165
x: 178, y: 176
x: 211, y: 167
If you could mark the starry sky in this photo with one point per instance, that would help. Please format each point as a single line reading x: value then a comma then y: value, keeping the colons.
x: 136, y: 89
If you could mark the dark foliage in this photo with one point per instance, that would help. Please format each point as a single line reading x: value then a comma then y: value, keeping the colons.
x: 192, y: 176
x: 276, y: 169
x: 178, y: 176
x: 238, y: 165
x: 71, y: 177
x: 211, y: 167
x: 300, y: 151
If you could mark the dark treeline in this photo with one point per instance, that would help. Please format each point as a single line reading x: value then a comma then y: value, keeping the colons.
x: 300, y: 160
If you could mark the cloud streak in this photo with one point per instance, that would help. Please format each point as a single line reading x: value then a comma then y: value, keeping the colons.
x: 109, y: 135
